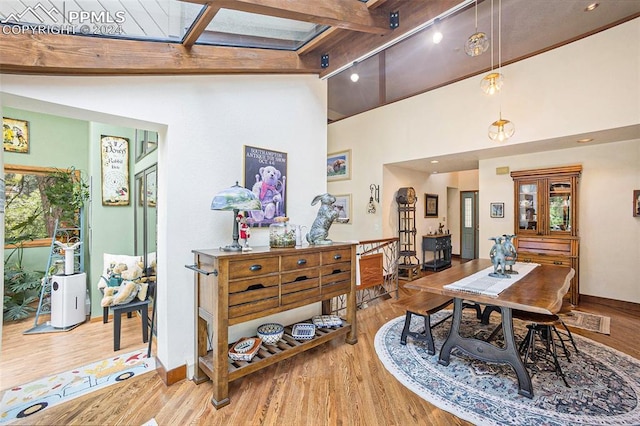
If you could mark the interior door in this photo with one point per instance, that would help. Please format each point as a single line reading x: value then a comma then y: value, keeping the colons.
x: 469, y: 224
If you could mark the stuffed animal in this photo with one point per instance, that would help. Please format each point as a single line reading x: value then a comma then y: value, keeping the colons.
x: 120, y: 295
x: 133, y: 273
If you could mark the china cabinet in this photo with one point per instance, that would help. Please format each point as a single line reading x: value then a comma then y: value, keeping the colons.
x: 546, y: 218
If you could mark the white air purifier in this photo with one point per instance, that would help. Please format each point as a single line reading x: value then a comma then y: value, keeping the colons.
x: 68, y: 294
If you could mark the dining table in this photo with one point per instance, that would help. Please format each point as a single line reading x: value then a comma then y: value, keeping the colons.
x: 540, y: 290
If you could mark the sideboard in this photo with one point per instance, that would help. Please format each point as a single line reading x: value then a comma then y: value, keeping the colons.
x: 235, y: 287
x: 440, y: 245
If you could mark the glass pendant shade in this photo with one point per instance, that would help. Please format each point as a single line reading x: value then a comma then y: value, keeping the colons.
x: 476, y: 44
x: 491, y: 83
x: 501, y: 130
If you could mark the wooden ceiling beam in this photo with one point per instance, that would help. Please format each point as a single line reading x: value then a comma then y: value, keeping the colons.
x: 352, y: 15
x: 413, y: 13
x: 79, y: 55
x: 200, y: 25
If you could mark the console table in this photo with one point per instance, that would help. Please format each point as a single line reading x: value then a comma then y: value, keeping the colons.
x: 235, y: 287
x: 440, y: 245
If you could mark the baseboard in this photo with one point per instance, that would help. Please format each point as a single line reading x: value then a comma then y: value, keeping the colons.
x: 170, y: 377
x: 630, y: 307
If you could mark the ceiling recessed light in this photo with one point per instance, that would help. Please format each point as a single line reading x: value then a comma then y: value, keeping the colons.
x: 585, y: 140
x: 434, y: 161
x: 434, y: 172
x: 591, y: 7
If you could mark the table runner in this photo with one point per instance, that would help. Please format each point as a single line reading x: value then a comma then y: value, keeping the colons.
x: 482, y: 283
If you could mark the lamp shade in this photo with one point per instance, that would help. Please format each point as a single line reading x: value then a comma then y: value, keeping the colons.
x: 236, y: 198
x: 476, y: 44
x: 501, y: 130
x: 491, y: 83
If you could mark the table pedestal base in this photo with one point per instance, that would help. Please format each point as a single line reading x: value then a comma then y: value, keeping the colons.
x: 485, y: 351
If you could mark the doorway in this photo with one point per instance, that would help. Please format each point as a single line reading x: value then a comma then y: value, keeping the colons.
x: 469, y: 229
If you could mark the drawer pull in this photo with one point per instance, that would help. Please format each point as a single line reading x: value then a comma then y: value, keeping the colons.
x: 527, y: 260
x: 302, y: 261
x: 255, y: 287
x: 302, y: 278
x: 255, y: 268
x: 558, y: 262
x: 337, y: 256
x: 336, y: 271
x: 201, y: 271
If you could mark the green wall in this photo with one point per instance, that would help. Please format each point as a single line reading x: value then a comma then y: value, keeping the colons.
x: 62, y: 142
x: 53, y: 142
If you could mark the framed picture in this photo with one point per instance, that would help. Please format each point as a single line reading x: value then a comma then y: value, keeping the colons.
x: 265, y: 174
x: 430, y: 205
x: 497, y: 209
x: 343, y: 207
x: 636, y: 203
x: 15, y: 135
x: 114, y: 152
x: 339, y: 165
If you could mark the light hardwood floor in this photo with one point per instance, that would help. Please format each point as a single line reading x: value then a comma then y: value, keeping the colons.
x: 333, y: 384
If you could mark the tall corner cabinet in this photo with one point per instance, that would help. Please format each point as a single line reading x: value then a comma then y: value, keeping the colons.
x: 546, y: 219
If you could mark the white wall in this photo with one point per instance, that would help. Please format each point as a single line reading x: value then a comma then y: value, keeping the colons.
x: 609, y: 234
x: 559, y: 93
x: 203, y: 121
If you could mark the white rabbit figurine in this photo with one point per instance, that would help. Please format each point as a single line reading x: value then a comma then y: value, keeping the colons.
x: 326, y: 215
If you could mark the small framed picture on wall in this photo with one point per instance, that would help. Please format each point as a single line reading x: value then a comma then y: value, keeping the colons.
x: 636, y: 203
x: 497, y: 209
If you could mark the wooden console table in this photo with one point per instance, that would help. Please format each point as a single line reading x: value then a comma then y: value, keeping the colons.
x: 440, y: 245
x: 233, y: 287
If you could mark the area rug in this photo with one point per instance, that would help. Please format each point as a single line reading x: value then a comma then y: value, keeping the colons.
x: 591, y: 322
x: 605, y: 383
x: 23, y: 401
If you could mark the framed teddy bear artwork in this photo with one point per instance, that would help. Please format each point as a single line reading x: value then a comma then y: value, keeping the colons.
x: 265, y: 174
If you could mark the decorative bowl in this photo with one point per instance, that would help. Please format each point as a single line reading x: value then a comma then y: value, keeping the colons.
x: 327, y: 321
x: 270, y: 333
x: 245, y: 349
x: 303, y: 331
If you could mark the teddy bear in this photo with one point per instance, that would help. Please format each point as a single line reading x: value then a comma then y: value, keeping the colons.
x: 268, y: 189
x: 125, y: 293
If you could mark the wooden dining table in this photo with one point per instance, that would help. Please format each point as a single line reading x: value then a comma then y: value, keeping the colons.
x: 540, y: 291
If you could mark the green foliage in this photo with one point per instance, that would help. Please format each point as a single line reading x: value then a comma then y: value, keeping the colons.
x: 20, y: 288
x: 24, y: 219
x: 66, y: 193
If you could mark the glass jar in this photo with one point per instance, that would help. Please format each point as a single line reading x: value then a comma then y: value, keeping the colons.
x: 282, y: 233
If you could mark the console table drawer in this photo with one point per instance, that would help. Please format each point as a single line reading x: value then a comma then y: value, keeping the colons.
x: 253, y: 267
x: 336, y: 256
x: 254, y: 289
x: 302, y: 280
x: 258, y: 305
x: 309, y: 296
x: 300, y: 261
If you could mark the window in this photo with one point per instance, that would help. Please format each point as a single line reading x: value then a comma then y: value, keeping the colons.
x: 29, y: 216
x: 146, y: 143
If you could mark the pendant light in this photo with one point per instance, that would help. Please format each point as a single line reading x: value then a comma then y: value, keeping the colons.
x: 478, y: 42
x: 501, y: 129
x: 354, y: 73
x: 492, y: 82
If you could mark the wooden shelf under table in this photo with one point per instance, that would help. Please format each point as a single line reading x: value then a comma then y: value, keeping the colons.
x: 271, y: 354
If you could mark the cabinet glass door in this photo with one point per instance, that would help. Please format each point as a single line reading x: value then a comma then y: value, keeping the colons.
x: 528, y: 206
x: 560, y: 213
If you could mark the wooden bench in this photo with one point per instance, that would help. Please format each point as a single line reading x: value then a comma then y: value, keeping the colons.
x: 424, y: 304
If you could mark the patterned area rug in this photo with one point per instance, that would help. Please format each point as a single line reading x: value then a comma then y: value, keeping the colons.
x: 591, y: 322
x: 23, y: 401
x: 605, y: 383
